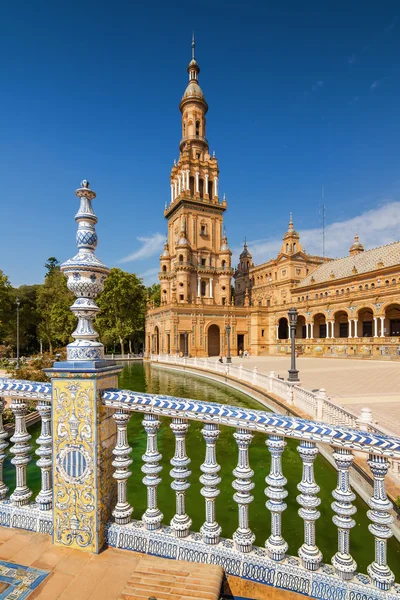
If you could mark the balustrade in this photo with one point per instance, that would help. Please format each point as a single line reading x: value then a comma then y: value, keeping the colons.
x: 243, y: 536
x: 210, y: 529
x: 21, y: 450
x: 45, y: 451
x: 153, y: 516
x: 276, y: 545
x: 180, y: 472
x: 123, y: 510
x: 244, y: 422
x: 309, y: 553
x: 3, y: 446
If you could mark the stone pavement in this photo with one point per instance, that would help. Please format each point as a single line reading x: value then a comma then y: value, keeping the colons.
x: 350, y: 383
x: 111, y: 575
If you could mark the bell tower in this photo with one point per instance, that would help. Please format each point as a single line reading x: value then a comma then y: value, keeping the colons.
x: 196, y: 258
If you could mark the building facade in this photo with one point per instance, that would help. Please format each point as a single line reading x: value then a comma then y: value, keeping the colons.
x: 347, y: 307
x: 195, y: 266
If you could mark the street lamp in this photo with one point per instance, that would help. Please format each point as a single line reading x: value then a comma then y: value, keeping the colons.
x: 17, y: 302
x: 228, y: 338
x: 293, y: 372
x: 185, y: 337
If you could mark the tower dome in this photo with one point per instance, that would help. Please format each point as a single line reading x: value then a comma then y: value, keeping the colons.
x: 356, y: 246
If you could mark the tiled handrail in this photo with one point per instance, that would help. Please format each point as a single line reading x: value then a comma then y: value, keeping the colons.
x: 277, y: 428
x: 238, y: 556
x: 254, y: 420
x: 315, y: 404
x: 14, y: 511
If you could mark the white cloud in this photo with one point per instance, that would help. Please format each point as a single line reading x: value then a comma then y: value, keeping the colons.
x: 150, y: 276
x: 375, y: 227
x: 150, y: 246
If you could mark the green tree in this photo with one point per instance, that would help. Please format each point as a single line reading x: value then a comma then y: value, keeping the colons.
x: 56, y: 322
x: 28, y: 319
x: 51, y: 265
x: 122, y: 305
x: 154, y: 293
x: 6, y: 308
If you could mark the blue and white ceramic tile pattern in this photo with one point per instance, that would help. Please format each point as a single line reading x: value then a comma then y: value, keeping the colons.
x: 21, y: 580
x: 286, y: 574
x: 86, y: 275
x: 271, y: 565
x: 32, y: 390
x: 255, y: 420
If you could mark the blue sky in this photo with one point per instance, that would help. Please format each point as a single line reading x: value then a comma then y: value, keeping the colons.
x: 299, y: 94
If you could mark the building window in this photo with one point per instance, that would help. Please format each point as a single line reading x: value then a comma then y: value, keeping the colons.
x: 203, y: 229
x: 223, y: 264
x: 223, y: 301
x: 164, y: 268
x: 262, y: 332
x: 181, y: 258
x: 181, y: 297
x: 203, y: 262
x: 268, y: 302
x: 197, y: 128
x: 322, y: 330
x: 343, y: 330
x: 203, y: 288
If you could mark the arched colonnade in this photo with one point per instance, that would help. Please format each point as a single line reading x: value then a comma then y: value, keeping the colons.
x: 343, y: 324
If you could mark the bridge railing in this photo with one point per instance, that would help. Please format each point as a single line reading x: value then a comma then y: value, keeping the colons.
x: 21, y: 394
x: 315, y: 404
x: 238, y: 556
x: 244, y: 423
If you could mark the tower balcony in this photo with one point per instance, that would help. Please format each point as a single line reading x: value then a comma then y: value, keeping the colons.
x: 192, y: 138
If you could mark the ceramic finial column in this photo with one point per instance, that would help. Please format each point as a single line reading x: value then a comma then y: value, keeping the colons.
x: 84, y: 432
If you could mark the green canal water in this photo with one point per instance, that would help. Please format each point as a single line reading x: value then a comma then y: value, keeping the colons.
x: 142, y: 378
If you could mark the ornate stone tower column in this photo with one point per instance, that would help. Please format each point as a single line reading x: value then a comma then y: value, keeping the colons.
x: 84, y: 432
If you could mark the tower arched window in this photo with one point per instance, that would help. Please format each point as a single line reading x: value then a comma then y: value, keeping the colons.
x: 164, y: 268
x: 184, y: 128
x: 287, y: 248
x: 294, y: 247
x: 223, y: 264
x: 197, y: 128
x: 181, y: 258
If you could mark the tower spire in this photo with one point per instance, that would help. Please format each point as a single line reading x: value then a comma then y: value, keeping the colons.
x: 193, y: 46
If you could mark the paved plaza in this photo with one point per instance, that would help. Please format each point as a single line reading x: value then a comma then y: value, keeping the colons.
x: 350, y: 383
x: 111, y: 575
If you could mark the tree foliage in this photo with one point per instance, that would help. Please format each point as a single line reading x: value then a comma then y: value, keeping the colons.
x: 6, y: 301
x: 122, y: 304
x: 45, y: 312
x: 56, y: 321
x: 154, y: 293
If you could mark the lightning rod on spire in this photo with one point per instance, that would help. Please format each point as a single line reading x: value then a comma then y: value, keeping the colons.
x: 193, y: 45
